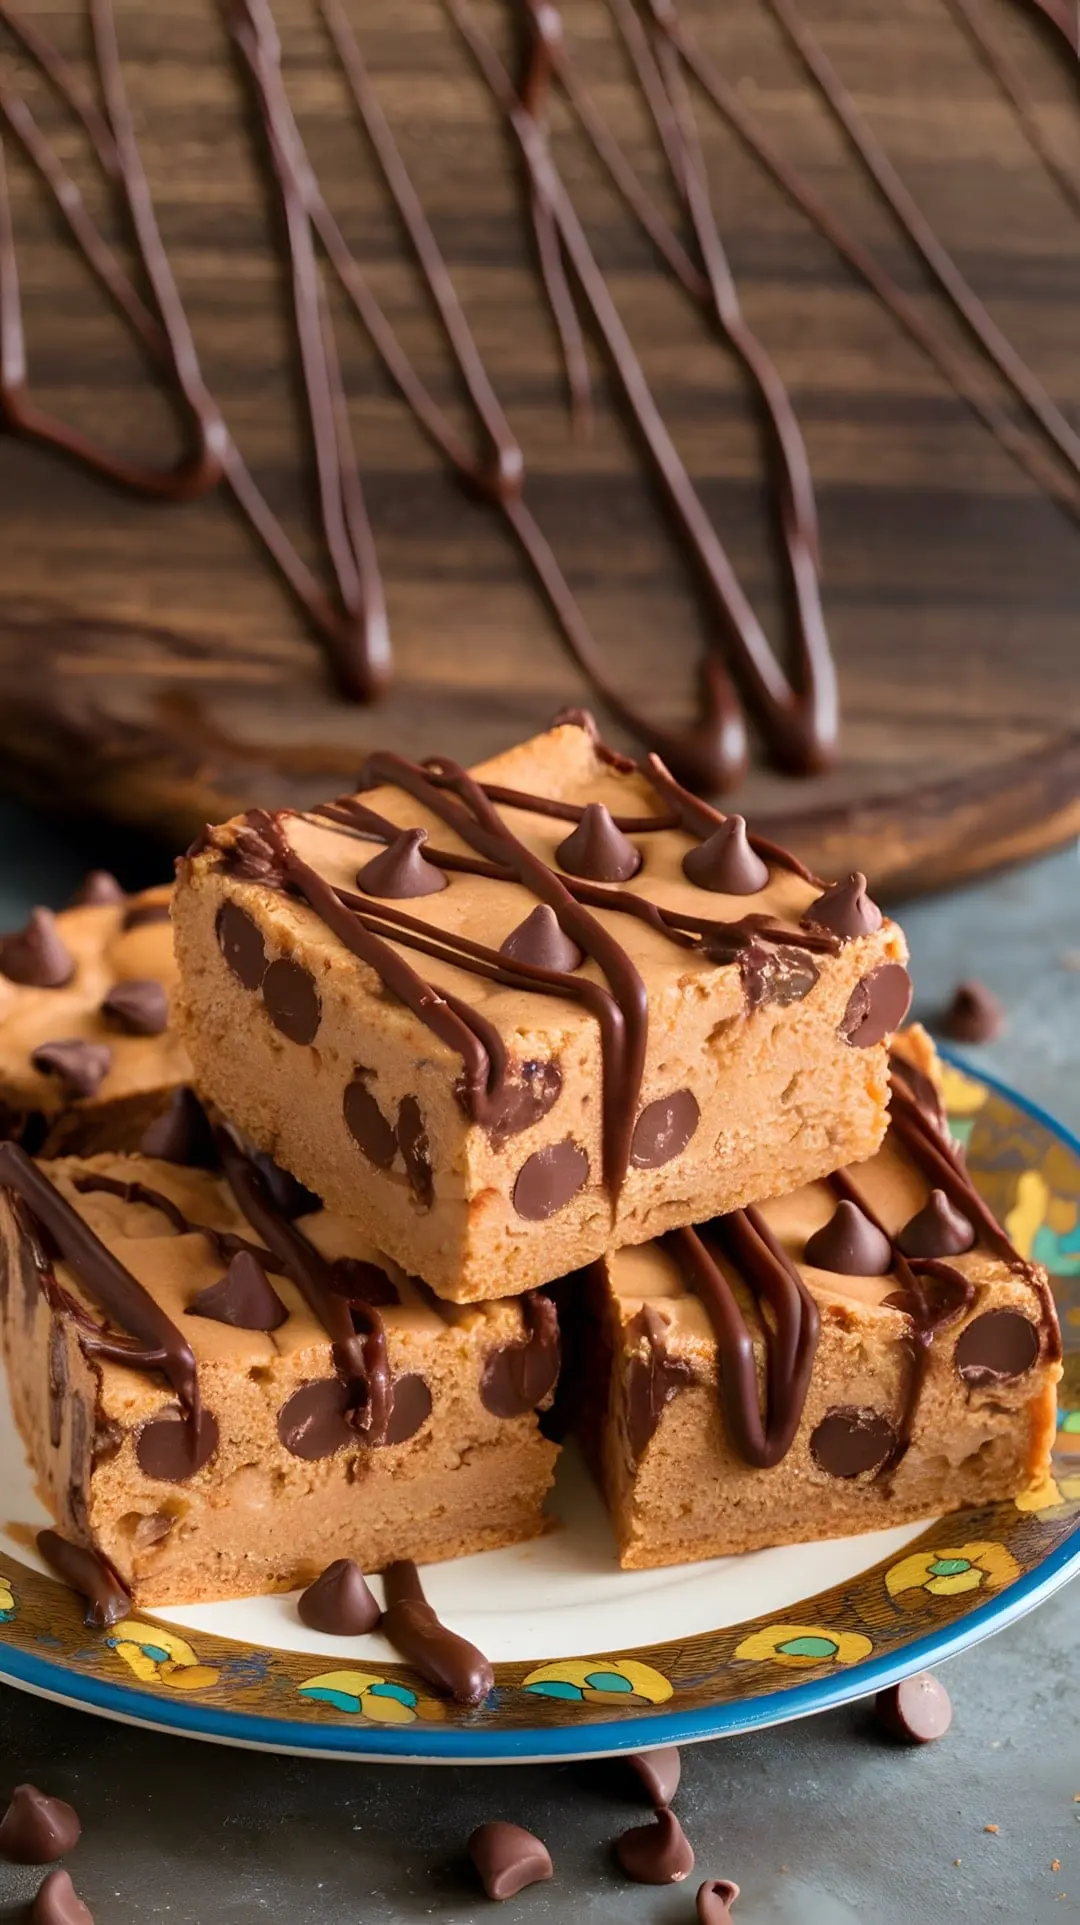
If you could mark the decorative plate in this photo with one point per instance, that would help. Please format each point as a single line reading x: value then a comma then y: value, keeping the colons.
x: 588, y: 1659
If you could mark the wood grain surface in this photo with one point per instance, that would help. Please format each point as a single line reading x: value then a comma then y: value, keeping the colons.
x: 152, y: 667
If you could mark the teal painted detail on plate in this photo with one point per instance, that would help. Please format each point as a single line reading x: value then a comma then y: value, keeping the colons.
x: 809, y: 1648
x: 948, y: 1566
x: 1060, y: 1254
x: 399, y: 1691
x: 556, y: 1688
x: 608, y: 1681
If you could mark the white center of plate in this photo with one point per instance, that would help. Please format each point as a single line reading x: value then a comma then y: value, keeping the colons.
x: 562, y: 1596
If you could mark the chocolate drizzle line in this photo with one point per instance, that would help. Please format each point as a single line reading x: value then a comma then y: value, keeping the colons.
x: 158, y: 1345
x: 790, y: 1332
x: 1006, y: 73
x: 225, y: 1243
x: 971, y: 388
x: 447, y: 1661
x: 87, y: 1572
x: 359, y: 1353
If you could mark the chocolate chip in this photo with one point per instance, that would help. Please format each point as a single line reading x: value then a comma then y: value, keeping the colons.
x: 167, y: 1450
x: 539, y: 940
x: 244, y: 1297
x: 37, y: 1829
x: 524, y: 1100
x: 850, y: 1440
x: 366, y: 1123
x: 714, y: 1901
x: 916, y: 1710
x: 507, y: 1858
x: 140, y: 1007
x: 87, y: 1573
x: 37, y: 955
x: 412, y: 1408
x: 362, y: 1282
x: 781, y: 975
x: 877, y: 1006
x: 846, y: 909
x: 549, y: 1178
x: 339, y: 1602
x: 597, y: 850
x: 974, y: 1016
x: 182, y: 1133
x: 292, y: 1000
x: 142, y: 913
x: 849, y: 1245
x: 725, y: 863
x: 413, y: 1140
x: 401, y: 870
x: 58, y: 1378
x: 659, y: 1771
x: 656, y: 1854
x: 240, y: 942
x: 79, y: 1067
x: 108, y: 1440
x: 57, y: 1903
x: 664, y: 1129
x: 517, y: 1377
x: 996, y: 1347
x: 96, y: 889
x: 937, y: 1230
x: 289, y: 1197
x: 312, y: 1423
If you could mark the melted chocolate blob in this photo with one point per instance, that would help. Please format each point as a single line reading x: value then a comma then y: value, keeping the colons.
x: 80, y: 1068
x: 292, y: 1000
x: 58, y: 1903
x: 659, y: 1772
x: 549, y: 1179
x: 339, y: 1602
x: 849, y: 1245
x: 167, y: 1451
x: 361, y: 1282
x: 916, y: 1711
x: 366, y: 1123
x: 725, y: 863
x: 939, y: 1229
x: 663, y: 1130
x: 540, y: 941
x: 182, y: 1133
x: 36, y: 1829
x: 37, y: 956
x: 656, y: 1854
x: 780, y: 975
x: 243, y: 1298
x: 312, y: 1423
x: 241, y: 943
x: 524, y: 1099
x: 846, y: 909
x: 651, y: 1381
x: 517, y: 1377
x: 714, y: 1901
x: 996, y: 1348
x: 88, y: 1574
x: 97, y: 889
x: 850, y: 1440
x: 449, y: 1663
x: 597, y: 850
x: 507, y: 1858
x: 877, y: 1006
x: 141, y: 1008
x: 401, y: 870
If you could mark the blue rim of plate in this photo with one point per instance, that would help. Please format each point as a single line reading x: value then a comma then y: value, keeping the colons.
x: 523, y: 1743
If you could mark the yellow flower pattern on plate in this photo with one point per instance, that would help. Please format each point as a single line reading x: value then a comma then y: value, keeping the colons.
x: 798, y: 1646
x: 951, y: 1571
x: 160, y: 1657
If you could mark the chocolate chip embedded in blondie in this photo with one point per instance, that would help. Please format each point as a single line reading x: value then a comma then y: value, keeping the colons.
x: 88, y: 1057
x: 510, y: 1021
x: 864, y: 1351
x: 221, y: 1399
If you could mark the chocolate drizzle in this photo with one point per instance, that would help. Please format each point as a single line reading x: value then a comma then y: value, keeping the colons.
x: 447, y: 1661
x: 87, y: 1573
x: 790, y: 1331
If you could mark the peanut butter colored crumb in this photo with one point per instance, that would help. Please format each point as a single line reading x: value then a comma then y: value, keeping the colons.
x: 994, y: 1828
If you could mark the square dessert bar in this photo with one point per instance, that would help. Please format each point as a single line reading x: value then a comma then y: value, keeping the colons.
x: 512, y: 1020
x: 219, y: 1397
x: 88, y: 1060
x: 862, y: 1352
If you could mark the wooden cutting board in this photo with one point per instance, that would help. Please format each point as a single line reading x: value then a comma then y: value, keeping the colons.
x: 151, y: 665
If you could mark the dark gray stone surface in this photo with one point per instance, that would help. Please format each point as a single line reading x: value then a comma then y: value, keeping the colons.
x: 821, y: 1823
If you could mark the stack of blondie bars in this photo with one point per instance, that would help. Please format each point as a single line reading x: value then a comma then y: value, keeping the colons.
x: 532, y: 1100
